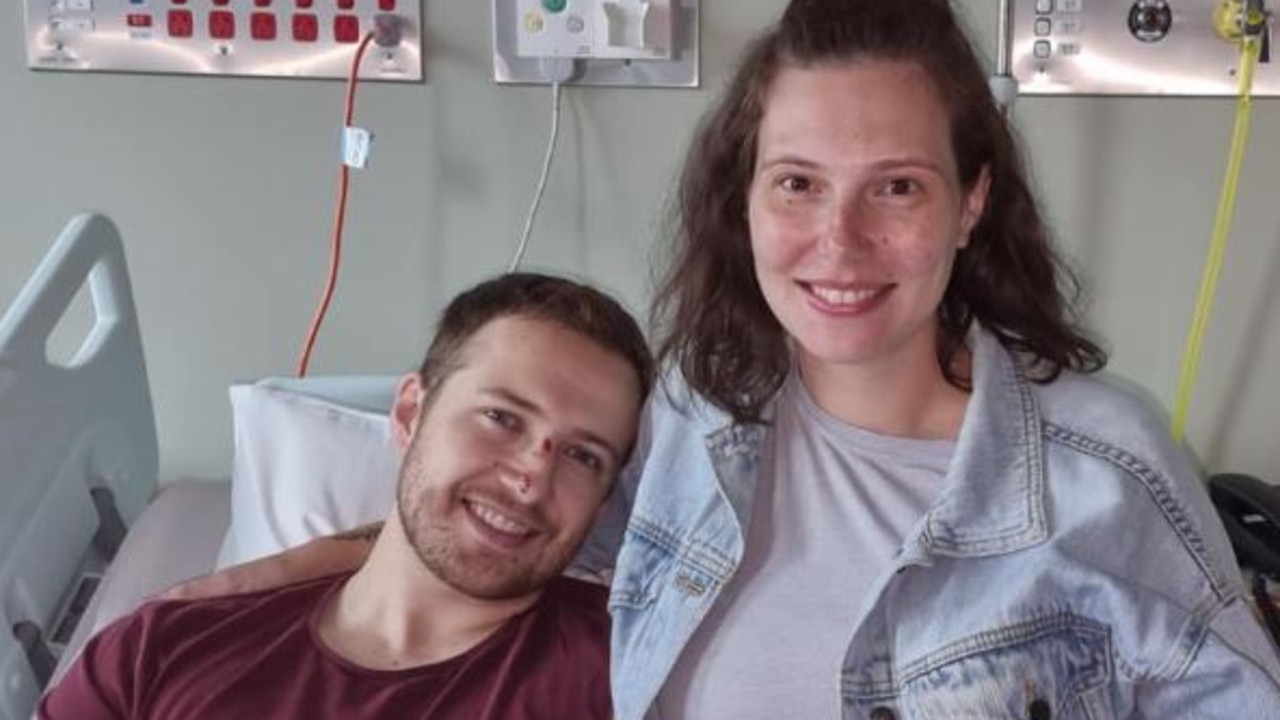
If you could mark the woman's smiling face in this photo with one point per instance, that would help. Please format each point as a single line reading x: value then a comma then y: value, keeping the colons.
x: 856, y: 210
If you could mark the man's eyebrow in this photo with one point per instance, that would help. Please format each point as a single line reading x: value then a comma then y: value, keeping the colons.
x: 518, y: 400
x: 529, y: 406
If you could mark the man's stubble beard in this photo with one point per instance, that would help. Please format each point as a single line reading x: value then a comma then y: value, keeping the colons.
x: 489, y: 576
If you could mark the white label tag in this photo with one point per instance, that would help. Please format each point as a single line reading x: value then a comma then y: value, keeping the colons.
x: 355, y: 146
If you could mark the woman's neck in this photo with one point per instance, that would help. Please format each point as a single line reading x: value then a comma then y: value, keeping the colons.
x: 906, y: 395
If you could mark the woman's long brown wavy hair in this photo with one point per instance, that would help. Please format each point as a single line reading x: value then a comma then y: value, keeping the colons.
x: 711, y: 318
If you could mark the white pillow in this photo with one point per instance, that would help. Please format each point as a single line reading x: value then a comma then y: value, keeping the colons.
x: 304, y: 467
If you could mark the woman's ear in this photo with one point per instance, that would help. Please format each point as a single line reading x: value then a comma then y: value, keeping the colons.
x: 406, y: 412
x: 975, y: 202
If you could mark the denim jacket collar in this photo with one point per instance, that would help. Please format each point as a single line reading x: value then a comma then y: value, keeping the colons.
x: 735, y: 456
x: 993, y: 498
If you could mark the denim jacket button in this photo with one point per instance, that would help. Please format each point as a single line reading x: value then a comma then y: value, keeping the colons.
x: 882, y: 713
x: 1039, y: 710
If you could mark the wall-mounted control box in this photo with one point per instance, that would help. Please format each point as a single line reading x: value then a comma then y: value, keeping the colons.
x: 1132, y: 47
x: 263, y: 38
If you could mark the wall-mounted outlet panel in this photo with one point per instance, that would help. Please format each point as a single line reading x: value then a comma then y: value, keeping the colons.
x: 261, y: 38
x: 1129, y: 47
x: 616, y: 42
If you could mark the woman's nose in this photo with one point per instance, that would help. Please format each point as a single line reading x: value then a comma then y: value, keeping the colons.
x: 848, y: 227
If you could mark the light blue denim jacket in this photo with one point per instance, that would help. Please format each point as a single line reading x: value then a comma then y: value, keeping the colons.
x: 1071, y: 564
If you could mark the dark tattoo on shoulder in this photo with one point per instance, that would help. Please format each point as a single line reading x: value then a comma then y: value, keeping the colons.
x: 364, y: 533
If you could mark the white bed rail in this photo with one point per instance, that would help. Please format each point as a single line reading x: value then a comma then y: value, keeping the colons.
x: 76, y: 440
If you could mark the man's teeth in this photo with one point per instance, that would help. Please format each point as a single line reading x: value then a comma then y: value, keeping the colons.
x: 498, y: 521
x: 836, y: 296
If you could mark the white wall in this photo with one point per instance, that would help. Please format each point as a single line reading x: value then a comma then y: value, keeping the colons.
x: 223, y: 189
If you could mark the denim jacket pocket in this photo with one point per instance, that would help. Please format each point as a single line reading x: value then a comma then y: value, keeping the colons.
x: 1052, y: 668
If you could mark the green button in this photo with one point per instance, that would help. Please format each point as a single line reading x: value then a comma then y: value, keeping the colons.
x: 555, y: 6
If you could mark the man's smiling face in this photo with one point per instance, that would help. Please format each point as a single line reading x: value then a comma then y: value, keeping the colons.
x: 515, y: 450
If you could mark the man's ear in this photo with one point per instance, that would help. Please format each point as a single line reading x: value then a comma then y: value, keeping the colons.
x: 407, y: 410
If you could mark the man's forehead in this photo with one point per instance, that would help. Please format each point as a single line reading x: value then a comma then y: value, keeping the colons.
x: 527, y: 356
x: 507, y: 336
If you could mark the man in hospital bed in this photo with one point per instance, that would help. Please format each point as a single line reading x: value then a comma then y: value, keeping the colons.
x: 511, y: 435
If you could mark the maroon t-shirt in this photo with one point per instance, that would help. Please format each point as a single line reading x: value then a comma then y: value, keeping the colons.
x: 258, y: 656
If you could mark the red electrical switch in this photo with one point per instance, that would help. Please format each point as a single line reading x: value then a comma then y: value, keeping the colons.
x: 222, y: 24
x: 346, y: 4
x: 262, y: 26
x: 181, y: 24
x: 138, y: 20
x: 306, y: 27
x: 346, y: 28
x: 387, y: 5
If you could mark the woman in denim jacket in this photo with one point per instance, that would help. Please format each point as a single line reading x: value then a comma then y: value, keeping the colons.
x: 879, y: 482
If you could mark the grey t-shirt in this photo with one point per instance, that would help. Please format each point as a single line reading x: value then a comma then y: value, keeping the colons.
x: 832, y: 507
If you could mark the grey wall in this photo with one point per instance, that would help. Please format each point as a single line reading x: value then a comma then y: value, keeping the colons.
x: 223, y: 189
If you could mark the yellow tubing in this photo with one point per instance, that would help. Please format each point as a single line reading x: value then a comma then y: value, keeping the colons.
x: 1250, y: 47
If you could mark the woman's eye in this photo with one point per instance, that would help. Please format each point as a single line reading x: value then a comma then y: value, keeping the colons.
x: 586, y: 458
x: 501, y: 418
x: 900, y: 186
x: 795, y: 184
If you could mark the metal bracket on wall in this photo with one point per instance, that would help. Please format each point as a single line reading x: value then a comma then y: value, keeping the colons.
x: 39, y: 656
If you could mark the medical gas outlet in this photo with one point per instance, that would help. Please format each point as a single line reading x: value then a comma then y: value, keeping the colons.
x: 1234, y: 20
x: 612, y: 29
x: 1150, y: 20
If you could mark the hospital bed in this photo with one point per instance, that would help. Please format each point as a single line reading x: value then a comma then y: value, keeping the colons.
x: 86, y: 530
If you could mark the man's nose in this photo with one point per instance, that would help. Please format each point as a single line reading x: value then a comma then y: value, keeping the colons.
x: 528, y: 473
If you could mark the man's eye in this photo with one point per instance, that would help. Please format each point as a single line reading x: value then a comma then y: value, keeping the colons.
x: 586, y: 458
x: 900, y: 186
x: 501, y: 418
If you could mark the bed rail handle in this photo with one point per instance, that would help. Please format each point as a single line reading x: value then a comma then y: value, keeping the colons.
x: 89, y: 248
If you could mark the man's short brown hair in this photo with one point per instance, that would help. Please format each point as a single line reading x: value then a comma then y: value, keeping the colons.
x: 572, y: 304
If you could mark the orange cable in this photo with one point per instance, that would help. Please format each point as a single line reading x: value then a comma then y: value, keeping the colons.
x: 340, y: 215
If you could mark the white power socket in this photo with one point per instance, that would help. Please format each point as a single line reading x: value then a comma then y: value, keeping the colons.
x: 615, y: 29
x: 615, y: 42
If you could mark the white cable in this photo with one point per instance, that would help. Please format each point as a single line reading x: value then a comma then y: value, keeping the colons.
x: 542, y: 181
